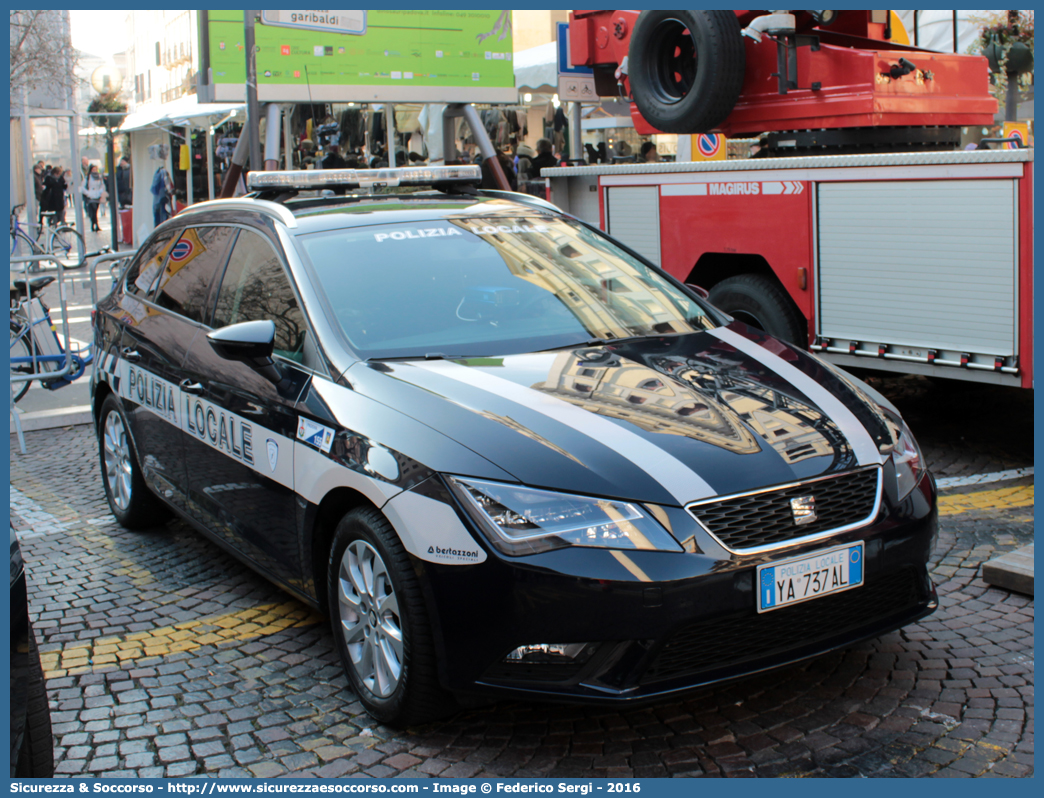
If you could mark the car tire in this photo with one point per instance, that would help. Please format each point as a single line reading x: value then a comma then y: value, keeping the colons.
x: 761, y: 302
x: 131, y: 501
x: 380, y: 623
x: 686, y: 68
x: 36, y: 757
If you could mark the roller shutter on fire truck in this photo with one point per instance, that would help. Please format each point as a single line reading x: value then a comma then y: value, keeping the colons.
x: 919, y: 265
x: 633, y: 216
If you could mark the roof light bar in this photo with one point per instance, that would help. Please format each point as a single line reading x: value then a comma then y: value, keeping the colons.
x: 364, y: 178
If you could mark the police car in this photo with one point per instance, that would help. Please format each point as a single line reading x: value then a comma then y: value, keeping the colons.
x: 500, y: 450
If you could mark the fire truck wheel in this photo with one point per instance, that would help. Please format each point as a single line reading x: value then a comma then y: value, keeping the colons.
x: 760, y: 301
x: 686, y: 68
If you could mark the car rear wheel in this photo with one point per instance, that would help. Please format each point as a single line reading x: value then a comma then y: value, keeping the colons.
x: 36, y: 757
x: 130, y: 500
x: 381, y: 623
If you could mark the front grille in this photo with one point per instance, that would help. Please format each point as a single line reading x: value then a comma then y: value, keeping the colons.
x: 766, y: 519
x: 726, y: 642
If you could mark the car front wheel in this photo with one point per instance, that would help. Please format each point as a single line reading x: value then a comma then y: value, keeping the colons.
x: 381, y: 623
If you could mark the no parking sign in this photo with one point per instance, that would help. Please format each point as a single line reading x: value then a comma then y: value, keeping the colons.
x: 708, y: 147
x: 1019, y: 131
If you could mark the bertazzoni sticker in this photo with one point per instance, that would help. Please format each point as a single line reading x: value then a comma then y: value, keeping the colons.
x: 316, y: 434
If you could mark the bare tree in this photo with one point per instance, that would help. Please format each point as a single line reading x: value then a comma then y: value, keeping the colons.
x: 42, y: 55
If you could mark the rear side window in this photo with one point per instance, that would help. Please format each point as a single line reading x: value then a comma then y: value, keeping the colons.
x: 256, y: 287
x: 193, y: 265
x: 145, y: 270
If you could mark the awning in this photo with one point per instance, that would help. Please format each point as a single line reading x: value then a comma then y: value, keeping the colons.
x: 181, y: 112
x: 536, y: 69
x: 935, y: 29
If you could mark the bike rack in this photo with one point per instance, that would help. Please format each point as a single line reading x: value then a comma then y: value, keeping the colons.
x: 110, y: 257
x: 74, y: 362
x: 26, y: 261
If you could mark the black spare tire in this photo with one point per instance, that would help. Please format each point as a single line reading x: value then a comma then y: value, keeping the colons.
x: 686, y: 68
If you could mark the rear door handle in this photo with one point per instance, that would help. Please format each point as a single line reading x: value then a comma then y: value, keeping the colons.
x: 187, y: 386
x: 130, y: 355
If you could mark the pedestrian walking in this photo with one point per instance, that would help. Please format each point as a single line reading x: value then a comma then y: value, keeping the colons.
x: 507, y: 166
x: 545, y: 157
x: 162, y: 194
x: 53, y: 199
x: 93, y: 195
x: 38, y: 180
x: 123, y: 183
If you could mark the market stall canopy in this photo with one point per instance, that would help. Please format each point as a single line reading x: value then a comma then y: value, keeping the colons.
x: 180, y: 112
x: 536, y: 69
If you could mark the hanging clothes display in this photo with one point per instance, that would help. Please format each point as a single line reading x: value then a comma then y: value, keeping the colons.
x: 353, y: 128
x: 406, y: 117
x: 378, y: 130
x: 430, y: 123
x: 416, y: 146
x: 561, y: 130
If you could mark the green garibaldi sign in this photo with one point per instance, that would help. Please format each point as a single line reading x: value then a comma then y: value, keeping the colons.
x: 362, y: 56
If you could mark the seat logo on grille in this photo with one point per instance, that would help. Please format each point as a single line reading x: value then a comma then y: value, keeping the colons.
x: 803, y: 509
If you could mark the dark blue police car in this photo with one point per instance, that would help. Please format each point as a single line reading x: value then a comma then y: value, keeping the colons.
x: 503, y: 452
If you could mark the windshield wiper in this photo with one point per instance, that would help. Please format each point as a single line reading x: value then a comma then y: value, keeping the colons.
x: 598, y: 342
x: 425, y: 356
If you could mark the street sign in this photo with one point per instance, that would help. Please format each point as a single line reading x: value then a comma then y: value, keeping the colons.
x: 353, y: 22
x: 575, y: 83
x: 1016, y: 130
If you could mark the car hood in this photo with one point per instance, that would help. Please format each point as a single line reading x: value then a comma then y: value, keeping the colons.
x: 670, y: 419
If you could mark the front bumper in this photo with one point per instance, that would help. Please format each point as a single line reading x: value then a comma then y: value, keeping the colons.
x: 665, y: 622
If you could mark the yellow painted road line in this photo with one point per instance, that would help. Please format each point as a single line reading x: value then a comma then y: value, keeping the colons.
x: 1000, y: 499
x: 85, y: 656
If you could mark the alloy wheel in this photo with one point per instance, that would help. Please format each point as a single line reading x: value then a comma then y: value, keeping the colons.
x: 370, y: 619
x: 118, y: 466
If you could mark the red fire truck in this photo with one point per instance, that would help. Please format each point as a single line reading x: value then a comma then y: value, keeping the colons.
x: 919, y: 263
x: 902, y: 255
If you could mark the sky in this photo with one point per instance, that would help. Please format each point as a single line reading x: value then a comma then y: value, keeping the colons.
x: 100, y: 33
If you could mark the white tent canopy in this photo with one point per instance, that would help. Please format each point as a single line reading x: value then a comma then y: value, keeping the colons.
x: 180, y: 112
x: 935, y: 29
x: 536, y: 69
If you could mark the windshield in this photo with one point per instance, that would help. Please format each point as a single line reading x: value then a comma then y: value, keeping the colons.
x: 490, y: 286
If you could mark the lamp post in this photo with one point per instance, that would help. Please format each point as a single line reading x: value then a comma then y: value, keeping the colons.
x: 107, y: 81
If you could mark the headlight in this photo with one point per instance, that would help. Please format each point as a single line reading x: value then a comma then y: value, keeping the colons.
x: 520, y: 520
x: 903, y: 448
x: 906, y: 454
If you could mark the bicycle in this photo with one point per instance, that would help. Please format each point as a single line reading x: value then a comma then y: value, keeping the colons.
x: 35, y: 346
x: 61, y: 240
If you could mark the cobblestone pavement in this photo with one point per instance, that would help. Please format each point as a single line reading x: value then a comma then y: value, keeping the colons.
x: 166, y: 657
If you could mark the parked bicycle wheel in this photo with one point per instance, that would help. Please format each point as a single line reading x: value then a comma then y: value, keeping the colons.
x: 67, y: 245
x: 20, y: 348
x: 22, y: 245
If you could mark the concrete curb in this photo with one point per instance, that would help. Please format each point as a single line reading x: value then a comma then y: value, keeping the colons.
x: 1011, y: 571
x: 52, y: 419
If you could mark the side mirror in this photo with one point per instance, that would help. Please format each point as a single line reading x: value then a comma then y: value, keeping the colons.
x: 699, y: 290
x: 249, y: 342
